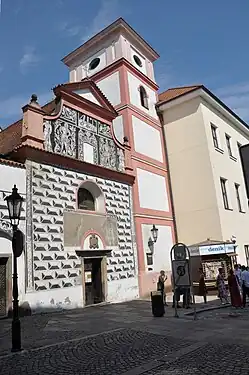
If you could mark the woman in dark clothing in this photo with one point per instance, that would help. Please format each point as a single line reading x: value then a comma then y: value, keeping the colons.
x: 160, y: 285
x: 234, y: 290
x: 202, y: 286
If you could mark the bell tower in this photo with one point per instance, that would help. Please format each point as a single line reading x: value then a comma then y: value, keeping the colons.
x: 120, y: 62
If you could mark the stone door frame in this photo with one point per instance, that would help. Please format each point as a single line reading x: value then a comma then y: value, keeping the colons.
x: 103, y: 275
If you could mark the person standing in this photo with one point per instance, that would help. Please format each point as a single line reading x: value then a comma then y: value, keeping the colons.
x: 237, y: 273
x: 176, y: 294
x: 245, y: 284
x: 202, y: 286
x: 234, y: 289
x: 222, y: 290
x: 160, y: 285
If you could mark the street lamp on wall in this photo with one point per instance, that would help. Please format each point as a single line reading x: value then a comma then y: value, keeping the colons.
x: 152, y: 240
x: 154, y: 232
x: 14, y: 204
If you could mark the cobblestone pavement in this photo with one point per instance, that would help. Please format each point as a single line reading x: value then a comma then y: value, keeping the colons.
x: 126, y: 339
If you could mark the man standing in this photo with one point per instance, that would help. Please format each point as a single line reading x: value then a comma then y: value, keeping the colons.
x: 245, y: 283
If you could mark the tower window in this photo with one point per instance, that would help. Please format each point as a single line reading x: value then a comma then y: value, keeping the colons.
x: 85, y: 200
x: 137, y: 61
x: 94, y: 63
x: 143, y: 97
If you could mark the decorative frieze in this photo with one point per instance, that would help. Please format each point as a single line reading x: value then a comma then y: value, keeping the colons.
x: 68, y: 134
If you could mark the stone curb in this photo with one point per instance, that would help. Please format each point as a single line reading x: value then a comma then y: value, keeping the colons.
x: 211, y: 308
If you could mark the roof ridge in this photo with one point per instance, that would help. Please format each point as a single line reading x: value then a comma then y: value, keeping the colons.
x: 183, y: 87
x: 91, y: 81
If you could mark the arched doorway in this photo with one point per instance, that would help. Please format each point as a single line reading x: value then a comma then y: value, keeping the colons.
x: 5, y: 268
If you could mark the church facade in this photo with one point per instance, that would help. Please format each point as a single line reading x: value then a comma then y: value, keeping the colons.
x: 96, y: 179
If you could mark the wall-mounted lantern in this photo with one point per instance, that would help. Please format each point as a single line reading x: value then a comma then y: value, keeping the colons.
x: 152, y: 240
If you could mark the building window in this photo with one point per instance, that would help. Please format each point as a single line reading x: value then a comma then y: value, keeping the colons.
x: 214, y: 135
x: 237, y: 189
x: 94, y: 63
x: 246, y: 247
x: 137, y: 61
x: 228, y: 142
x: 223, y: 183
x: 85, y: 200
x: 143, y: 97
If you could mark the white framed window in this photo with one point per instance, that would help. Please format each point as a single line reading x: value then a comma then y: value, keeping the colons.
x: 238, y: 197
x: 223, y: 184
x: 214, y: 131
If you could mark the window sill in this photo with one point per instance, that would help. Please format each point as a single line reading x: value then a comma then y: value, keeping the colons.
x: 232, y: 157
x: 219, y: 150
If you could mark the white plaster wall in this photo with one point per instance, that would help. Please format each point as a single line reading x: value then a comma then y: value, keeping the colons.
x: 122, y: 290
x: 147, y: 139
x: 110, y: 86
x: 233, y: 222
x: 9, y: 177
x: 134, y: 83
x: 55, y: 299
x: 152, y: 191
x: 118, y: 128
x: 86, y: 94
x: 194, y: 196
x: 161, y: 255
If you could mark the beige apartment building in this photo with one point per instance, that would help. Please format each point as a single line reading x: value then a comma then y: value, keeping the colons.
x: 202, y: 138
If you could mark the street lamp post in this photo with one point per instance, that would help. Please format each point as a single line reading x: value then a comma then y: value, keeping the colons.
x: 14, y: 204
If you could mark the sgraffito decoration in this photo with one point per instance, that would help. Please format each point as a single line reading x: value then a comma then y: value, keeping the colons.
x: 73, y: 130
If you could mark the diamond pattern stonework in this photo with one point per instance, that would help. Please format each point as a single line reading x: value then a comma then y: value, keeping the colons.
x: 53, y: 191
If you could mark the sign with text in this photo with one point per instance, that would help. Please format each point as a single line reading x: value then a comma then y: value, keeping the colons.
x: 216, y: 249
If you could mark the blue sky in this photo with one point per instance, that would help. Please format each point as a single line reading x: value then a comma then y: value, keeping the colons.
x: 198, y: 42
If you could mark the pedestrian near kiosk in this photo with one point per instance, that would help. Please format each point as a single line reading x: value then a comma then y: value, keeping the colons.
x: 161, y: 285
x: 234, y: 289
x: 222, y: 290
x: 176, y: 294
x: 202, y: 285
x: 237, y: 273
x: 245, y: 284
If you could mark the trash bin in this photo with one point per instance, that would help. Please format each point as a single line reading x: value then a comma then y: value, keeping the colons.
x: 157, y: 304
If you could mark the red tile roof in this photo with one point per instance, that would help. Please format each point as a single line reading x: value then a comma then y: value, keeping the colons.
x: 175, y: 92
x: 10, y: 137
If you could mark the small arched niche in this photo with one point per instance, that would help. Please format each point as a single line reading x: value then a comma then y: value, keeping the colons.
x: 90, y: 197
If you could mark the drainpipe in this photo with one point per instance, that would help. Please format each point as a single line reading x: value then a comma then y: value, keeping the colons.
x: 160, y: 115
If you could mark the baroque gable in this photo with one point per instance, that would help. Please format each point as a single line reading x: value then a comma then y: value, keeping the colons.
x: 78, y: 135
